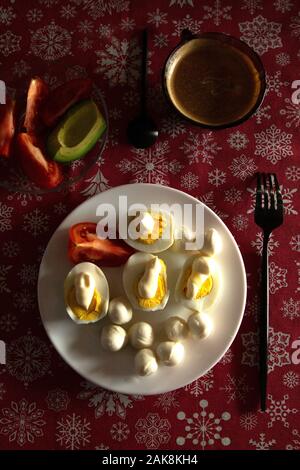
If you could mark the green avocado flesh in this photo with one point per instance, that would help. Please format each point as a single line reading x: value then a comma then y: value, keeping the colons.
x: 77, y: 133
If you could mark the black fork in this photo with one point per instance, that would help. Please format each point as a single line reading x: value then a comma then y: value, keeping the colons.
x: 268, y: 215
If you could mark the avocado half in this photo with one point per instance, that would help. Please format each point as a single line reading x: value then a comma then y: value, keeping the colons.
x: 77, y: 133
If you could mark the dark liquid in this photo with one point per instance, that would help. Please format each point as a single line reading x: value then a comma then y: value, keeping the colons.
x: 213, y: 83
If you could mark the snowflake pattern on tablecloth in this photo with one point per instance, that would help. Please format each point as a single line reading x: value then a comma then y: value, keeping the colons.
x: 291, y: 379
x: 119, y: 431
x: 291, y: 113
x: 240, y: 222
x: 201, y: 385
x: 51, y: 42
x: 295, y: 243
x: 295, y: 25
x: 203, y: 428
x: 9, y: 43
x: 167, y: 401
x: 262, y: 113
x: 279, y: 411
x: 57, y: 400
x: 261, y: 443
x: 236, y: 388
x: 208, y: 199
x: 186, y: 23
x: 8, y: 322
x: 2, y: 391
x: 152, y: 431
x: 95, y: 184
x: 217, y: 12
x: 73, y: 431
x: 295, y: 445
x: 258, y: 244
x: 252, y: 6
x: 5, y: 217
x: 277, y: 277
x: 274, y: 83
x: 173, y: 126
x: 260, y: 34
x: 106, y: 402
x: 4, y: 270
x: 35, y: 222
x: 273, y: 144
x: 291, y: 308
x: 248, y: 421
x: 99, y: 8
x: 238, y: 140
x: 243, y: 167
x: 157, y: 17
x: 22, y: 423
x: 200, y: 148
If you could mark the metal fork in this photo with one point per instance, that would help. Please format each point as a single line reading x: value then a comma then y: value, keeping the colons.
x: 268, y: 215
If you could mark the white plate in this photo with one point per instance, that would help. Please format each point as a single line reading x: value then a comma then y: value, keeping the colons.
x: 79, y: 345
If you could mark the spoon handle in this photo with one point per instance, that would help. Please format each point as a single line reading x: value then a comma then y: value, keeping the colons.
x: 144, y: 71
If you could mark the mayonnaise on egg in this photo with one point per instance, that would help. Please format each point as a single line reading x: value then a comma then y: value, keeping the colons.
x: 201, y: 269
x: 84, y: 285
x: 147, y: 285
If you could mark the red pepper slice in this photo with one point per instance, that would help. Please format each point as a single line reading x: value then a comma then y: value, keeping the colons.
x: 7, y: 127
x: 37, y: 92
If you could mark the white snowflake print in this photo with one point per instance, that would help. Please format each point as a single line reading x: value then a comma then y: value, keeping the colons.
x: 274, y: 144
x: 217, y: 12
x: 236, y: 388
x: 295, y: 25
x: 208, y: 200
x: 227, y: 358
x: 181, y: 3
x: 291, y: 379
x: 283, y: 59
x: 95, y: 184
x: 35, y: 222
x: 161, y: 40
x: 5, y: 217
x: 287, y: 198
x: 295, y: 441
x: 252, y: 308
x: 295, y: 243
x: 85, y: 44
x: 131, y: 98
x: 85, y: 26
x: 3, y: 282
x: 260, y: 34
x: 173, y: 126
x: 233, y: 195
x: 298, y: 272
x: 127, y: 24
x: 277, y: 277
x: 152, y: 431
x: 151, y: 165
x: 258, y: 244
x: 278, y: 349
x: 8, y: 322
x: 283, y: 5
x: 203, y: 428
x: 119, y: 431
x: 217, y: 177
x: 34, y: 15
x: 189, y: 181
x: 166, y: 401
x: 292, y: 113
x: 28, y: 274
x: 21, y: 68
x: 98, y: 8
x: 248, y: 421
x: 68, y: 11
x: 10, y: 249
x: 194, y: 26
x: 72, y: 431
x: 60, y: 208
x: 9, y: 43
x: 119, y: 62
x: 48, y: 3
x: 24, y: 300
x: 238, y: 140
x: 274, y: 83
x: 250, y: 352
x: 51, y: 42
x: 201, y: 385
x: 57, y: 400
x: 7, y: 15
x: 240, y: 222
x: 157, y: 18
x: 278, y: 410
x: 200, y: 147
x: 101, y: 447
x: 261, y: 443
x: 2, y: 391
x: 243, y: 167
x: 105, y: 30
x: 22, y: 422
x: 292, y: 173
x: 107, y: 402
x: 252, y: 6
x: 28, y: 358
x: 291, y: 308
x: 262, y: 113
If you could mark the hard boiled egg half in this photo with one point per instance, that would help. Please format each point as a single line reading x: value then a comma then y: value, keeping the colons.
x: 86, y: 293
x: 145, y: 282
x: 199, y: 283
x: 151, y: 232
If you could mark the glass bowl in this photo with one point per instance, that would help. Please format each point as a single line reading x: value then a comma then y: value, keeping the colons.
x: 14, y: 180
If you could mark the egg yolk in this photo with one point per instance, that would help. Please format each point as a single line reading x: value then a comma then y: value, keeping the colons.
x: 159, y: 225
x: 205, y: 287
x: 93, y: 311
x: 160, y: 291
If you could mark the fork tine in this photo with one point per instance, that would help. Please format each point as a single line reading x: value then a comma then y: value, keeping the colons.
x: 258, y: 200
x: 270, y: 178
x: 265, y: 192
x: 278, y: 192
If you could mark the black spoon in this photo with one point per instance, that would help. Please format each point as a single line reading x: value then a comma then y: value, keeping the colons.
x: 142, y: 131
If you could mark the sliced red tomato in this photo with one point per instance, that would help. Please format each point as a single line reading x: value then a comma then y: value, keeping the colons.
x: 44, y: 173
x: 84, y: 245
x: 7, y: 127
x: 63, y: 97
x: 37, y: 92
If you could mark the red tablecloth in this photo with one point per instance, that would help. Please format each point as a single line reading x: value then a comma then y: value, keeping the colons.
x: 43, y: 403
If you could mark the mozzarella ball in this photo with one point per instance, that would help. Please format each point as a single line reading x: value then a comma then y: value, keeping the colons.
x: 200, y: 324
x: 141, y: 335
x: 119, y: 311
x: 212, y: 243
x: 175, y: 328
x: 113, y: 337
x: 170, y: 353
x: 145, y: 362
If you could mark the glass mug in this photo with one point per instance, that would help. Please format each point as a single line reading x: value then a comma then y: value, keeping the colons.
x: 214, y: 80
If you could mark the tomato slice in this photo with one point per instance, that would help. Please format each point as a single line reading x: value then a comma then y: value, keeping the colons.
x: 7, y: 127
x: 44, y: 173
x: 84, y: 245
x: 37, y: 92
x: 63, y: 97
